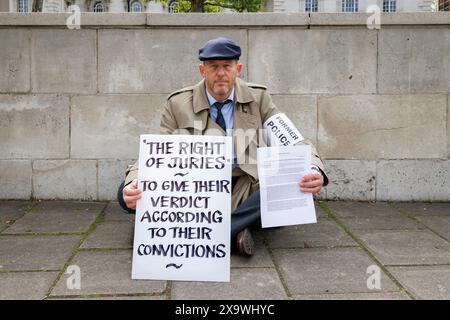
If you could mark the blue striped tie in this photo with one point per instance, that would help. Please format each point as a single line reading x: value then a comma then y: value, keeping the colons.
x: 220, y: 120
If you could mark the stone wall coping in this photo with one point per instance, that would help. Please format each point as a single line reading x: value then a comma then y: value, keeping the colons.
x: 182, y: 20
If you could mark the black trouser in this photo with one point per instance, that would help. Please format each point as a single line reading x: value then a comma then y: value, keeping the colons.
x: 247, y: 214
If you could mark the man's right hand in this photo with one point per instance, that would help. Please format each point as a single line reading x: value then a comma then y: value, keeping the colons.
x: 131, y: 194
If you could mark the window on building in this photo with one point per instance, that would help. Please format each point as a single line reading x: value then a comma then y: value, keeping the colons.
x: 349, y: 5
x: 99, y: 7
x: 136, y: 7
x: 311, y: 5
x: 444, y: 5
x: 22, y: 6
x: 389, y: 5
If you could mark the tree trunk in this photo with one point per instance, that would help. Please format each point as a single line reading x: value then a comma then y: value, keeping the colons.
x: 197, y: 5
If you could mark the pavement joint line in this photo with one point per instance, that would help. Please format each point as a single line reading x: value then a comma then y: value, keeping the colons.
x: 168, y: 290
x: 29, y: 271
x: 316, y: 247
x: 277, y: 268
x: 417, y: 220
x: 116, y: 221
x: 417, y: 265
x: 51, y: 234
x: 106, y: 295
x: 252, y: 267
x: 392, y: 229
x: 103, y: 249
x: 89, y: 230
x: 365, y: 249
x: 375, y: 292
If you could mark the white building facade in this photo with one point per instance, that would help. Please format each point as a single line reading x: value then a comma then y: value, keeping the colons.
x: 95, y: 5
x: 353, y: 5
x: 272, y: 5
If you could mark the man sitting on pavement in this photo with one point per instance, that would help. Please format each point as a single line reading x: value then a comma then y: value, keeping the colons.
x: 225, y: 103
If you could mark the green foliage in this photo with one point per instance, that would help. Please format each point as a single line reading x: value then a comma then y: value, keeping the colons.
x: 216, y: 5
x: 239, y: 5
x: 37, y: 6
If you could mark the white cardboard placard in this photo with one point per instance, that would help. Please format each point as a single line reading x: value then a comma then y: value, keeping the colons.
x: 182, y: 227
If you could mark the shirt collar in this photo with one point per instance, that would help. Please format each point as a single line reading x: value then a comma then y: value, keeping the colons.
x: 211, y: 99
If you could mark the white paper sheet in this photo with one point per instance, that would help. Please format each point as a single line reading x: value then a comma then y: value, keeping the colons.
x: 280, y: 171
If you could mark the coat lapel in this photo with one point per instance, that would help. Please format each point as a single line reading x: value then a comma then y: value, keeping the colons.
x: 198, y: 119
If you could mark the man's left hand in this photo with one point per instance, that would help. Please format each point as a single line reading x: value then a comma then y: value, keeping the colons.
x: 312, y: 182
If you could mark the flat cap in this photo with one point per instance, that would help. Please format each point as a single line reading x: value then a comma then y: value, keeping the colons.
x: 220, y: 49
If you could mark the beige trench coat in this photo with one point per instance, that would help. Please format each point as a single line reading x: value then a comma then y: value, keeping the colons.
x: 189, y: 107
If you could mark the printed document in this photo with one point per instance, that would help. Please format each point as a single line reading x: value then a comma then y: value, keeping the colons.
x: 280, y: 171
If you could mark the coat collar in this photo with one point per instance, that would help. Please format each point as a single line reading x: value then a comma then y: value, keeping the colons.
x: 200, y: 100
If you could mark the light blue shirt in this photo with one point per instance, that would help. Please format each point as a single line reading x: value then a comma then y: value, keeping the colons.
x: 227, y: 112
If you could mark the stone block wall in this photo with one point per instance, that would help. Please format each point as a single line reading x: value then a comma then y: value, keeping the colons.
x: 375, y: 102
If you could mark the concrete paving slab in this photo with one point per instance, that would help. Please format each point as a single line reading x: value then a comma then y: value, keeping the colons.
x: 355, y: 296
x: 418, y: 258
x: 106, y: 272
x: 245, y: 284
x: 396, y: 222
x: 25, y: 285
x: 406, y: 247
x: 261, y: 258
x: 10, y: 211
x: 320, y: 271
x: 69, y: 206
x: 440, y: 224
x: 324, y: 233
x: 347, y: 209
x: 114, y: 212
x: 111, y: 234
x: 320, y: 214
x: 424, y: 208
x: 53, y: 222
x: 36, y: 252
x: 431, y: 282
